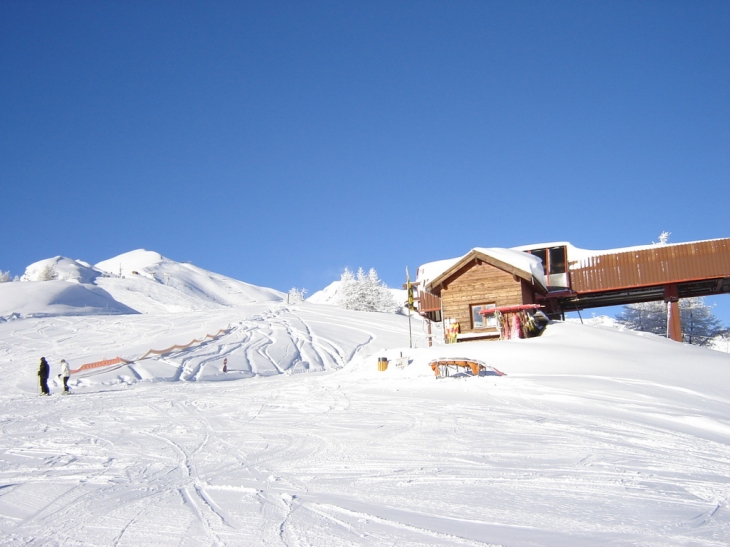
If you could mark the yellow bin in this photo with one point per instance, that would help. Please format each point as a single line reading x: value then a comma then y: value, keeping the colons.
x: 382, y: 363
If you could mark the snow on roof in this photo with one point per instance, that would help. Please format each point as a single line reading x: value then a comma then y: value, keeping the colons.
x: 574, y: 253
x: 527, y: 263
x: 577, y: 255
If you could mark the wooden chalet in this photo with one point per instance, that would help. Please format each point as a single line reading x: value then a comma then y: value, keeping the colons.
x: 563, y: 278
x: 481, y: 280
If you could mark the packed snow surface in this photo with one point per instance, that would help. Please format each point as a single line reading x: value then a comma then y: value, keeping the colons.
x: 593, y: 437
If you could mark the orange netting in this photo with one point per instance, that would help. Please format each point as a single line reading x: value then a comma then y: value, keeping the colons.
x: 102, y: 363
x: 183, y: 346
x: 120, y: 360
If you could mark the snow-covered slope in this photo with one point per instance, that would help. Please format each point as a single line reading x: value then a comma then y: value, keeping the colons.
x: 45, y: 298
x: 593, y: 437
x: 329, y: 295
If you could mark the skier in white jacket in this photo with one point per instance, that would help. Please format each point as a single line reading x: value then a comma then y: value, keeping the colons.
x: 65, y: 373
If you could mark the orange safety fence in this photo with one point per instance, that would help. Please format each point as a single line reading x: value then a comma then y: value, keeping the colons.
x: 183, y: 346
x: 122, y: 361
x: 102, y: 363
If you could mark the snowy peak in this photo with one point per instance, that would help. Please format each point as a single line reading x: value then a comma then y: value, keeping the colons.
x: 200, y: 287
x: 133, y: 263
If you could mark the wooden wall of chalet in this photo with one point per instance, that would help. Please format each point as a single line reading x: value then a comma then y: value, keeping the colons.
x: 481, y: 283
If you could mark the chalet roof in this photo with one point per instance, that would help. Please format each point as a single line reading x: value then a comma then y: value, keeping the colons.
x: 521, y: 264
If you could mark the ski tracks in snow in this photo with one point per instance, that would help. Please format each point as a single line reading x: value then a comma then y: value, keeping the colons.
x: 275, y: 342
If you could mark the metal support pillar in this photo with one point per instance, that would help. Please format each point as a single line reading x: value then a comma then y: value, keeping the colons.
x: 674, y: 321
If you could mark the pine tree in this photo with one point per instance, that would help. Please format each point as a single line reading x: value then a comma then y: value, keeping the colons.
x: 699, y: 325
x: 48, y: 273
x: 645, y: 317
x: 295, y: 296
x: 365, y: 292
x: 5, y: 277
x: 346, y: 291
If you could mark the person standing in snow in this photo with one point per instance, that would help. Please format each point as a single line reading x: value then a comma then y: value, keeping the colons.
x: 65, y: 373
x: 225, y: 365
x: 43, y: 371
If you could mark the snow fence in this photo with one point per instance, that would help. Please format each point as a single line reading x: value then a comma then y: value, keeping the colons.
x: 122, y: 361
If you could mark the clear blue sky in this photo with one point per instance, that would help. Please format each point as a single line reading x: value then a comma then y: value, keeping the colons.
x: 278, y: 142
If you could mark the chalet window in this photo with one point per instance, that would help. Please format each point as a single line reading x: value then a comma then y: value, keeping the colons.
x: 557, y: 260
x: 542, y: 255
x: 553, y: 265
x: 479, y: 321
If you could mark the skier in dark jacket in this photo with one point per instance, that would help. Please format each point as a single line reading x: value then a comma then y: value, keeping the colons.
x: 43, y: 373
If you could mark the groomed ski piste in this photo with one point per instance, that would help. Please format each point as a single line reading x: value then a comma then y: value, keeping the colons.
x: 592, y: 437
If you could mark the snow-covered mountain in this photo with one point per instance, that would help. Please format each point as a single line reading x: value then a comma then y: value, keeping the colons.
x: 66, y: 269
x: 186, y: 286
x: 136, y: 282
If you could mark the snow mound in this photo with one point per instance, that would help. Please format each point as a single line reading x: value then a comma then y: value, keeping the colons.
x: 49, y: 298
x: 572, y: 349
x: 329, y: 295
x: 66, y: 270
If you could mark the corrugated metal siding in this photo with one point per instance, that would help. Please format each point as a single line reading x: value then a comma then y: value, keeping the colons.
x: 660, y: 265
x: 428, y: 301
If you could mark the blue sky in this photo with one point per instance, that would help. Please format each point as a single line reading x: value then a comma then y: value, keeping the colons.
x: 278, y: 142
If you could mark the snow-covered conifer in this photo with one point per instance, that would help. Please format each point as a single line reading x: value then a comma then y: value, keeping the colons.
x: 664, y: 238
x: 365, y: 292
x: 645, y: 317
x: 346, y: 292
x: 295, y: 296
x: 48, y: 273
x: 5, y: 277
x: 699, y: 324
